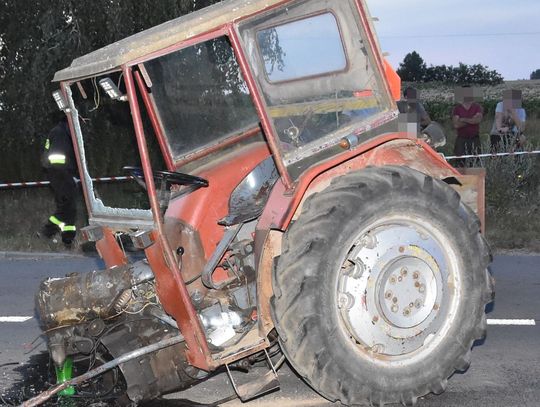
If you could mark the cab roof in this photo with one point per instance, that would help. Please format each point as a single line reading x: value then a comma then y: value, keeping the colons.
x: 161, y: 36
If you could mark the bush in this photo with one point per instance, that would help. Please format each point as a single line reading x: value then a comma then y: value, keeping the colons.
x: 413, y: 69
x: 512, y: 201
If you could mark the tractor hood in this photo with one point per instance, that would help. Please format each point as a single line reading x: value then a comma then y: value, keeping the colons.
x: 160, y: 37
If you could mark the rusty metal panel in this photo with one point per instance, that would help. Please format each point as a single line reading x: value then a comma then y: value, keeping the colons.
x: 109, y: 250
x: 270, y: 250
x: 472, y: 191
x: 175, y: 299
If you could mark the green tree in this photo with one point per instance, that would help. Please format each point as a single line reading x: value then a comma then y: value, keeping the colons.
x: 39, y: 37
x: 413, y: 68
x: 535, y: 74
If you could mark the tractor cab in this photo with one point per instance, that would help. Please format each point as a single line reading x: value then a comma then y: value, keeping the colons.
x: 296, y: 81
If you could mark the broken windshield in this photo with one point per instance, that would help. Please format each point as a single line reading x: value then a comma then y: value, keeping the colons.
x: 107, y: 143
x: 200, y: 96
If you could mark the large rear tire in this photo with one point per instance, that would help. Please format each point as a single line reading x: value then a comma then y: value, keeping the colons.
x: 380, y: 290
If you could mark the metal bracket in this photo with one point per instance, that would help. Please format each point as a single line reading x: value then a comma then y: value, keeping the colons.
x: 257, y: 387
x: 221, y: 248
x: 142, y: 239
x: 92, y: 233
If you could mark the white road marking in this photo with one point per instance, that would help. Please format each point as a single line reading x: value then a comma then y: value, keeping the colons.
x: 515, y: 322
x: 14, y: 319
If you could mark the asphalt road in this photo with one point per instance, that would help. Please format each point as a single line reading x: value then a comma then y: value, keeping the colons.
x: 505, y: 369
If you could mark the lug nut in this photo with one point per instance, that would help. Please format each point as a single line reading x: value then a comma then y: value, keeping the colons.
x: 378, y: 348
x: 368, y: 241
x: 375, y: 319
x: 418, y: 304
x: 400, y: 279
x: 388, y: 295
x: 393, y: 280
x: 394, y: 300
x: 411, y: 305
x: 404, y: 272
x: 342, y: 300
x: 395, y: 308
x: 422, y: 288
x: 406, y: 312
x: 417, y: 284
x: 415, y: 275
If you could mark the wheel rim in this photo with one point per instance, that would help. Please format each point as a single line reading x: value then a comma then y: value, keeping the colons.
x: 398, y: 288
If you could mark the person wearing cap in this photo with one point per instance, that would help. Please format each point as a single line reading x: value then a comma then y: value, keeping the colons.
x: 58, y: 160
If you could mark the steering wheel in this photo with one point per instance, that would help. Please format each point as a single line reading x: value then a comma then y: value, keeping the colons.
x: 167, y: 178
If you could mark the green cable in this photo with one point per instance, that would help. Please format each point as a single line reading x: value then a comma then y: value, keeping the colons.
x: 63, y: 374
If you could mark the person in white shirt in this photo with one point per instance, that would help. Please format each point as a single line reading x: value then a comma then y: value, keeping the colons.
x: 509, y: 124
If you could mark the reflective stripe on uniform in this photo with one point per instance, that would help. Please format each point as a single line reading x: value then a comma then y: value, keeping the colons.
x: 56, y: 221
x: 61, y: 225
x: 57, y: 158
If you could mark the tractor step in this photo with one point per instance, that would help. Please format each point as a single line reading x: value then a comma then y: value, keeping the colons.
x: 262, y: 385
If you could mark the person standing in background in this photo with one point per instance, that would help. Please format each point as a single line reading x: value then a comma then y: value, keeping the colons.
x: 466, y: 118
x: 415, y: 106
x: 58, y: 160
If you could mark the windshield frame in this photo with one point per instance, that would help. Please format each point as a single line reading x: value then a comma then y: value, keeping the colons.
x: 151, y: 106
x: 122, y: 218
x: 332, y: 139
x: 99, y: 213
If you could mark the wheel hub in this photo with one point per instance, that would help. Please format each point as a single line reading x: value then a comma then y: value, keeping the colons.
x: 395, y: 287
x: 407, y: 292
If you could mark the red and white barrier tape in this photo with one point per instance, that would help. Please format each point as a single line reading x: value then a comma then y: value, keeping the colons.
x: 45, y: 183
x: 115, y: 179
x: 457, y: 157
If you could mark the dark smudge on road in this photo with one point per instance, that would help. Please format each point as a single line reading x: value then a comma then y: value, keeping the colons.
x: 36, y: 376
x: 30, y: 379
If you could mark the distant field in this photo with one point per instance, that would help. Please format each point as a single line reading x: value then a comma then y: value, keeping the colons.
x: 512, y: 196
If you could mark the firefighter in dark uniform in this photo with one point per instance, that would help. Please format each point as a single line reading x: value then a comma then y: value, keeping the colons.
x: 59, y: 163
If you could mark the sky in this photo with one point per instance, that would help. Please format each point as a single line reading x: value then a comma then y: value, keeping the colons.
x: 502, y: 34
